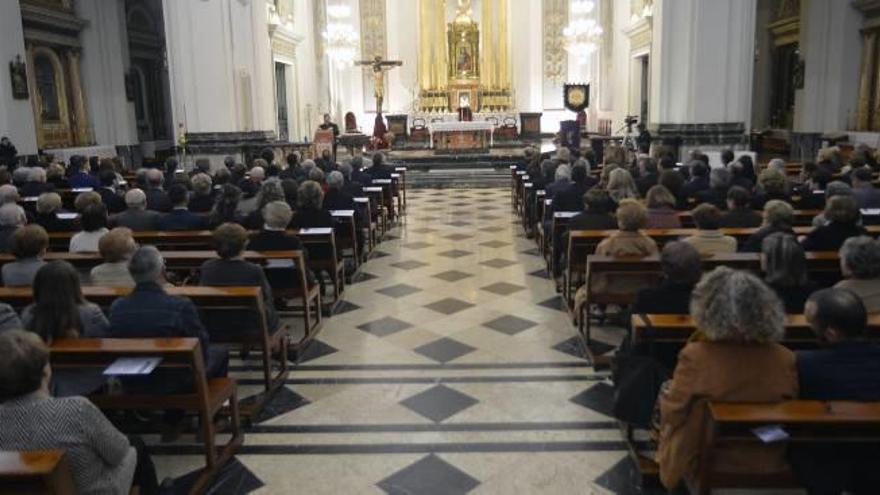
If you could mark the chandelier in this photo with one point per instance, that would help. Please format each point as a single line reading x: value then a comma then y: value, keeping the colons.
x: 340, y: 36
x: 583, y: 33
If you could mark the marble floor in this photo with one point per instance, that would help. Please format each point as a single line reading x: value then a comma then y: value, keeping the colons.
x: 450, y: 368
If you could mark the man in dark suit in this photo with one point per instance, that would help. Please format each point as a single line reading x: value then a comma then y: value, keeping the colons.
x: 136, y: 216
x: 379, y: 170
x: 157, y: 200
x: 111, y: 199
x: 866, y: 194
x: 149, y: 312
x: 699, y: 179
x: 357, y: 172
x: 351, y: 187
x: 80, y: 177
x: 180, y: 218
x: 325, y: 162
x: 847, y: 368
x: 681, y: 271
x: 335, y: 198
x: 648, y: 175
x: 561, y: 180
x: 571, y: 197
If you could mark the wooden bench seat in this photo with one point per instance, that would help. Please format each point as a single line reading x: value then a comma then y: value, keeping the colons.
x: 307, y: 293
x: 36, y: 472
x: 271, y: 342
x: 679, y: 328
x: 806, y: 422
x: 209, y: 397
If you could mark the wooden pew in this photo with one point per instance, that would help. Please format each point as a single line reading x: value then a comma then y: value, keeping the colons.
x: 378, y: 212
x: 39, y: 472
x: 589, y: 239
x: 806, y: 422
x: 321, y: 258
x: 207, y: 299
x: 308, y: 294
x: 402, y: 171
x: 679, y: 328
x: 362, y: 205
x: 651, y: 269
x: 208, y: 399
x: 346, y: 234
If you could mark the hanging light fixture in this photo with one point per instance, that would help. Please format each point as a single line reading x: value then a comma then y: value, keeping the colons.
x: 583, y: 33
x: 341, y: 38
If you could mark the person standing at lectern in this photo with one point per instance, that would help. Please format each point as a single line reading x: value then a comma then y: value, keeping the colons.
x: 331, y: 126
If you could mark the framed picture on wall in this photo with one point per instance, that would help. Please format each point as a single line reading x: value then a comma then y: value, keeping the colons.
x: 18, y: 75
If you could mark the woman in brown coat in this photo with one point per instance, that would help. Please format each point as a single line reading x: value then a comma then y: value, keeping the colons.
x: 627, y: 242
x: 733, y: 357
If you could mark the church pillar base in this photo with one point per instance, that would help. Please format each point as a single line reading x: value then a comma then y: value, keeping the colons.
x: 684, y: 138
x: 244, y: 146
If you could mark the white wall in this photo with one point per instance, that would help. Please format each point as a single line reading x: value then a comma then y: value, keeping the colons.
x: 16, y: 116
x: 104, y: 62
x: 831, y: 47
x: 307, y: 77
x: 211, y: 46
x: 705, y: 60
x: 401, y: 21
x: 525, y: 54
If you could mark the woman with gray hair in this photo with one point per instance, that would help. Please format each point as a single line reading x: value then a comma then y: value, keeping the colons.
x: 311, y: 212
x: 12, y: 217
x: 733, y: 357
x: 269, y: 192
x: 202, y: 199
x: 36, y: 183
x: 335, y: 198
x: 860, y: 265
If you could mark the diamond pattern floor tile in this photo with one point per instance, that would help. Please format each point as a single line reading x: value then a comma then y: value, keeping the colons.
x: 429, y: 476
x: 449, y: 306
x: 452, y: 275
x: 444, y: 350
x: 399, y: 290
x: 439, y: 403
x: 502, y: 288
x: 384, y: 326
x: 509, y: 324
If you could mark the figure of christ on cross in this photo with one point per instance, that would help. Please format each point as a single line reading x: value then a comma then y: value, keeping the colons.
x: 379, y: 67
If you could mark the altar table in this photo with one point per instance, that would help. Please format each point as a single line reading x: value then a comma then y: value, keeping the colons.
x: 461, y: 135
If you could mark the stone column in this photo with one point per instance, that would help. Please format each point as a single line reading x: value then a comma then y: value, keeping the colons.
x: 220, y: 75
x: 80, y: 116
x: 701, y: 59
x: 869, y: 44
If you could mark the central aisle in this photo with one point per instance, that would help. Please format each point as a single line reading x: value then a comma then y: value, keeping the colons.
x: 450, y: 369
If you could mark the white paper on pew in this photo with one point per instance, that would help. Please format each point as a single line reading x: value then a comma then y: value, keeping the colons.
x: 342, y: 213
x: 286, y: 263
x: 400, y: 169
x: 133, y: 366
x: 520, y: 172
x: 565, y: 214
x: 525, y: 177
x: 122, y: 183
x: 82, y: 189
x: 395, y: 176
x: 67, y: 216
x: 513, y: 167
x: 381, y: 181
x: 541, y: 192
x: 870, y: 211
x: 30, y: 199
x: 373, y: 189
x: 528, y: 184
x: 548, y: 202
x: 770, y: 433
x: 316, y: 231
x: 819, y: 191
x: 361, y: 200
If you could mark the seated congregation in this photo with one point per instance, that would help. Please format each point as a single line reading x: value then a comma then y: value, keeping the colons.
x: 97, y: 266
x: 744, y: 285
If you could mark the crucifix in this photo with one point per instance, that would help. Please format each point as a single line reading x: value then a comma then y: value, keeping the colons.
x: 380, y: 67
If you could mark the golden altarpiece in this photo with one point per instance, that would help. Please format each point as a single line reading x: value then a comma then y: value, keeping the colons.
x: 461, y: 65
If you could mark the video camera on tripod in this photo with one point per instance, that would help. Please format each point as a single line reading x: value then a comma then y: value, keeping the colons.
x: 630, y: 121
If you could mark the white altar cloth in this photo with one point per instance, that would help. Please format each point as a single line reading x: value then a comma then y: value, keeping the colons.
x: 461, y: 126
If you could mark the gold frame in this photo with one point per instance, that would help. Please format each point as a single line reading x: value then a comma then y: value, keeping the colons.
x: 464, y: 35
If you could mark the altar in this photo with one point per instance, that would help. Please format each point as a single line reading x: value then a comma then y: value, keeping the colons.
x: 461, y: 135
